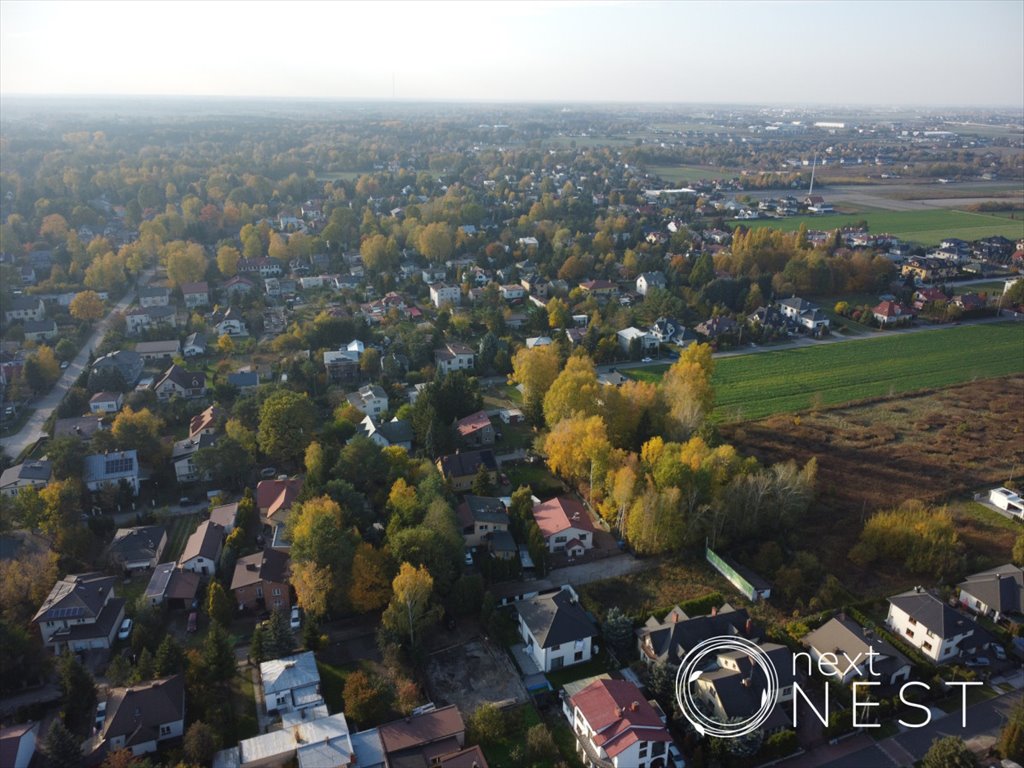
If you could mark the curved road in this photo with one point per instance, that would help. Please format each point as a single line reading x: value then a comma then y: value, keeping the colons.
x: 44, y: 406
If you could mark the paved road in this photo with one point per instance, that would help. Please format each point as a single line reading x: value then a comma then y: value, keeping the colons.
x: 33, y: 428
x: 984, y: 722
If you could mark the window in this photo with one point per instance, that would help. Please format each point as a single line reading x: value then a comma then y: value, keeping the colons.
x: 560, y: 539
x: 578, y: 656
x: 277, y: 591
x: 927, y: 646
x: 912, y: 620
x: 658, y: 748
x: 165, y: 730
x: 643, y: 749
x: 910, y: 632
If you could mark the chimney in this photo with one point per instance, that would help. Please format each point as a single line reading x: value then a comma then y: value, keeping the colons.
x: 745, y: 682
x: 618, y: 711
x: 714, y: 611
x: 634, y: 707
x: 748, y: 628
x: 675, y: 617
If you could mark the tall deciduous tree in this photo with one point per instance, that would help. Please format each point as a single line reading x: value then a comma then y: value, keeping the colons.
x: 372, y: 573
x: 286, y: 426
x: 227, y: 260
x: 435, y: 242
x: 575, y: 391
x: 686, y: 389
x: 411, y: 610
x: 535, y: 369
x: 87, y: 306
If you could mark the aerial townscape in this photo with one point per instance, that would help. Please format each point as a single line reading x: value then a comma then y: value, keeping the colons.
x: 426, y: 432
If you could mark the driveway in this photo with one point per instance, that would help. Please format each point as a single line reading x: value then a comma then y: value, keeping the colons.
x: 44, y: 406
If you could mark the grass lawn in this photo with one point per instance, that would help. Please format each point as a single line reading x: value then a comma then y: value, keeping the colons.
x: 332, y: 683
x: 537, y: 476
x: 975, y: 695
x: 178, y: 531
x: 924, y: 227
x: 599, y: 664
x: 13, y: 426
x: 688, y: 173
x: 754, y: 386
x: 243, y: 702
x: 518, y: 722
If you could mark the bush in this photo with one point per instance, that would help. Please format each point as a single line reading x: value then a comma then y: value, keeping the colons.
x: 779, y: 745
x: 486, y: 725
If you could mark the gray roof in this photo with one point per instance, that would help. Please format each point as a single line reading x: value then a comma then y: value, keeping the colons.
x: 399, y: 431
x: 138, y: 712
x: 82, y: 427
x: 740, y: 698
x: 800, y: 305
x: 678, y: 633
x: 168, y: 346
x: 110, y: 467
x: 196, y: 339
x: 467, y: 463
x: 79, y: 595
x: 843, y: 635
x: 30, y: 470
x: 243, y: 379
x: 205, y: 542
x: 290, y: 672
x: 139, y: 543
x: 153, y: 292
x: 501, y: 541
x: 1001, y: 589
x: 932, y: 613
x: 127, y: 361
x: 555, y: 619
x: 191, y: 445
x: 39, y: 326
x: 23, y: 303
x: 484, y: 509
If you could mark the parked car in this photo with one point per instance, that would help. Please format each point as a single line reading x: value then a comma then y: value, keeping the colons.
x: 268, y: 472
x: 101, y: 713
x: 125, y: 630
x: 999, y: 652
x: 64, y: 364
x: 978, y: 661
x: 193, y: 622
x: 647, y: 360
x: 469, y: 557
x: 296, y: 619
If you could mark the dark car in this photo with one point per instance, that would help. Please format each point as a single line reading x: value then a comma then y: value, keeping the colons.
x: 193, y: 622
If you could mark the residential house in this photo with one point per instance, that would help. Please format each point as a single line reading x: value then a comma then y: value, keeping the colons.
x: 272, y: 287
x: 1008, y: 501
x: 113, y: 468
x: 196, y: 294
x: 195, y: 345
x: 82, y: 427
x: 475, y: 430
x: 371, y: 399
x: 207, y: 422
x: 158, y: 350
x: 238, y: 286
x: 441, y: 294
x: 539, y: 341
x: 139, y: 319
x: 733, y: 686
x: 806, y: 314
x: 171, y: 586
x: 997, y: 593
x: 81, y: 612
x: 244, y: 381
x: 139, y: 718
x: 21, y: 308
x: 644, y: 342
x: 309, y: 739
x: 648, y: 280
x: 156, y: 296
x: 183, y: 457
x: 291, y: 683
x: 18, y: 744
x: 565, y: 525
x: 228, y: 322
x: 424, y: 739
x: 842, y: 641
x: 260, y: 581
x: 511, y: 416
x: 343, y: 364
x: 274, y: 499
x: 137, y: 548
x: 106, y: 402
x: 459, y: 469
x: 666, y: 641
x: 611, y: 379
x: 557, y: 631
x: 202, y: 550
x: 40, y: 330
x: 397, y: 432
x: 502, y: 545
x: 968, y: 302
x: 669, y: 331
x: 717, y: 326
x: 927, y: 270
x: 929, y: 624
x: 178, y: 382
x: 616, y: 726
x: 512, y: 292
x: 601, y: 289
x: 262, y: 266
x: 225, y: 516
x: 126, y: 362
x: 454, y: 356
x: 28, y: 474
x: 888, y: 313
x: 479, y: 516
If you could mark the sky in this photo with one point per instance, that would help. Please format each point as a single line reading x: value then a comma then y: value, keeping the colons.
x: 879, y: 53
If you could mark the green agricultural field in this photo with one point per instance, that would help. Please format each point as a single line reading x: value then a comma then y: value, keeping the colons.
x: 754, y: 386
x: 690, y: 173
x: 924, y: 227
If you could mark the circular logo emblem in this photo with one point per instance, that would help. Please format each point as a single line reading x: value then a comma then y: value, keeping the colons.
x: 690, y: 670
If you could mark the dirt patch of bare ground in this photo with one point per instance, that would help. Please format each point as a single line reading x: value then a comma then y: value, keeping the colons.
x: 936, y: 446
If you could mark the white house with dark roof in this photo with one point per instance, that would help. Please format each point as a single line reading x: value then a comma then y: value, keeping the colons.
x: 805, y: 313
x: 196, y: 294
x: 183, y: 456
x: 996, y: 593
x: 441, y: 294
x: 371, y: 399
x: 845, y: 639
x: 18, y: 744
x: 480, y: 516
x: 195, y: 345
x: 454, y: 356
x: 157, y: 296
x: 929, y: 624
x: 158, y: 350
x: 140, y: 717
x: 648, y: 280
x: 40, y: 330
x: 556, y: 630
x: 81, y: 612
x: 29, y: 474
x: 106, y: 402
x: 397, y: 432
x: 22, y: 308
x: 202, y: 550
x: 179, y: 382
x: 137, y: 548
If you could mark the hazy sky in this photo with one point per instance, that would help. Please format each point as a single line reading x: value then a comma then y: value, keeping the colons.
x: 920, y: 52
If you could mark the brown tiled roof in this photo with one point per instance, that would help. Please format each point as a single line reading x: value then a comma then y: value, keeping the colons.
x: 418, y: 731
x: 204, y: 542
x: 268, y: 565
